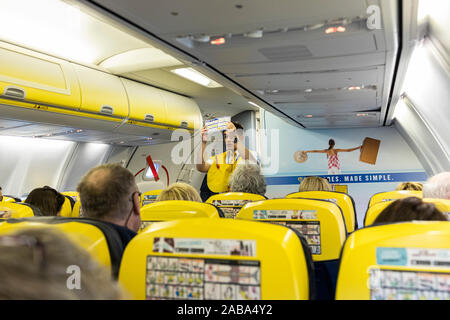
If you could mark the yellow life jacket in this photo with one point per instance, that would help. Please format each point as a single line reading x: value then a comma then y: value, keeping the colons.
x: 219, y: 172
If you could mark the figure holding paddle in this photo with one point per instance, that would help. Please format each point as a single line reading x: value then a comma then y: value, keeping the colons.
x: 332, y: 155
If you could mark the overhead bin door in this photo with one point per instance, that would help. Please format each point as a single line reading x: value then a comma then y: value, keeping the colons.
x: 101, y: 93
x: 183, y: 112
x: 146, y: 102
x: 36, y: 78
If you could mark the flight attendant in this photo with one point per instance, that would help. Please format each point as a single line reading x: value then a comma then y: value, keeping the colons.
x: 334, y: 166
x: 220, y: 166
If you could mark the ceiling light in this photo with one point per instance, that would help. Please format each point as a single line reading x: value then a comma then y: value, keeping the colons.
x: 59, y: 28
x: 218, y: 41
x: 309, y: 116
x: 354, y: 88
x: 341, y: 29
x: 308, y: 90
x: 197, y: 77
x: 254, y: 34
x: 253, y: 104
x: 139, y: 59
x: 362, y: 114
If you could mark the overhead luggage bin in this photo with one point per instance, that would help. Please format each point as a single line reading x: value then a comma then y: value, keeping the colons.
x: 146, y: 103
x: 182, y: 112
x: 33, y: 78
x: 101, y: 93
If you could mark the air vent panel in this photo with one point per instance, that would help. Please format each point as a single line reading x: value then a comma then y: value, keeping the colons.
x: 287, y: 53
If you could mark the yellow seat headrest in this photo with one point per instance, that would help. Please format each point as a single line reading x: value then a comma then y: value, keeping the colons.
x: 398, y: 261
x: 215, y: 259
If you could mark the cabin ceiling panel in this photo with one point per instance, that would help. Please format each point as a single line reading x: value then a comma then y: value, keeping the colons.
x: 313, y: 80
x: 172, y: 18
x: 294, y: 48
x: 344, y: 120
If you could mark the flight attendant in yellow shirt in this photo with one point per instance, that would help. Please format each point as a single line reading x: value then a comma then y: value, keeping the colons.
x: 220, y: 166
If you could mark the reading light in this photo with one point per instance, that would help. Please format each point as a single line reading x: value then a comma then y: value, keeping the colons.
x: 335, y: 29
x: 308, y: 90
x: 362, y: 114
x: 197, y: 77
x: 218, y: 41
x: 309, y: 116
x: 253, y: 104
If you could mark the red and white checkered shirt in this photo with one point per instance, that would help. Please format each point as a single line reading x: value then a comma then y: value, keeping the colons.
x: 333, y: 162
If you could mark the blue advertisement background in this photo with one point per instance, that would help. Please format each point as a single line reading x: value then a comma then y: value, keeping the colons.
x: 395, y: 161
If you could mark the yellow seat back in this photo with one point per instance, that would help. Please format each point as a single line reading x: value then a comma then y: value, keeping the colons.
x: 149, y: 197
x: 343, y: 200
x: 393, y: 195
x: 7, y: 199
x: 176, y: 209
x: 319, y: 221
x: 76, y: 209
x: 85, y: 235
x: 408, y: 260
x: 17, y: 210
x: 66, y: 209
x: 374, y: 211
x: 216, y: 259
x: 231, y: 202
x: 73, y: 194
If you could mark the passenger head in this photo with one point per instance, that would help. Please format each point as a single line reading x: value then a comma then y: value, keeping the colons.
x: 179, y: 191
x: 230, y: 136
x: 47, y: 200
x: 413, y: 186
x: 331, y: 144
x: 1, y: 194
x: 409, y: 209
x: 36, y: 262
x: 437, y: 186
x: 248, y: 178
x: 315, y: 184
x: 108, y: 192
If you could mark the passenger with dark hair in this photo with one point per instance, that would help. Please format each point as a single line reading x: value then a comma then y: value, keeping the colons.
x: 109, y: 193
x: 47, y: 200
x: 409, y: 209
x: 1, y: 194
x: 220, y: 167
x: 334, y: 166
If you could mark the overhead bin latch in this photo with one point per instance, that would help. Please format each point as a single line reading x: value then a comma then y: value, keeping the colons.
x: 107, y: 110
x: 149, y: 117
x: 14, y: 92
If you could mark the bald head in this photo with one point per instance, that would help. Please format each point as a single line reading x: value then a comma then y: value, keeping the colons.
x: 105, y: 192
x: 438, y: 186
